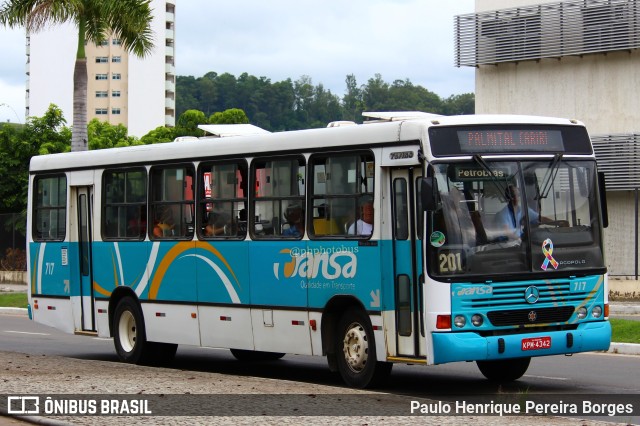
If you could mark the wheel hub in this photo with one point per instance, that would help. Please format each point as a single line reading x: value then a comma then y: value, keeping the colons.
x: 356, y: 347
x: 127, y: 331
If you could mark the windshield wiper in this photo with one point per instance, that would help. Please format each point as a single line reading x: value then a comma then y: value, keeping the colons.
x: 550, y: 176
x: 502, y: 189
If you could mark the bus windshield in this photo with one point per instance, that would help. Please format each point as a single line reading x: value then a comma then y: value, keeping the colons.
x: 506, y: 218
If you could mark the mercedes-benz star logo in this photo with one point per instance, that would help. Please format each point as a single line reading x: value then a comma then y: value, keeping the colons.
x: 532, y: 294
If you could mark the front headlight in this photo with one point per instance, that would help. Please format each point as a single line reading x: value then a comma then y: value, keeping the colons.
x: 459, y: 321
x: 596, y: 312
x: 582, y: 312
x: 477, y: 320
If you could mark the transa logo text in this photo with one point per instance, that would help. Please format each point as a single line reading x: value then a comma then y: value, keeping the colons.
x: 330, y: 264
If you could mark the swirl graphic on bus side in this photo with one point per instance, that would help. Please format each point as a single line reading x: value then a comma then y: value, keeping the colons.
x: 179, y: 250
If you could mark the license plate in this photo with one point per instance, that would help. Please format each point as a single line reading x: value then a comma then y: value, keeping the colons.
x: 536, y: 343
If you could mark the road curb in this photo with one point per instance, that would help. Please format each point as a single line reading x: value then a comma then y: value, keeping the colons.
x: 14, y: 311
x: 622, y: 309
x: 624, y: 348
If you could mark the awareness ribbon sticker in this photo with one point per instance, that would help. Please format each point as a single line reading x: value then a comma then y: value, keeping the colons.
x: 547, y: 254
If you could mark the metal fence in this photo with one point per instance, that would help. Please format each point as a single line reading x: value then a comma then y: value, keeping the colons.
x: 12, y: 242
x: 549, y: 30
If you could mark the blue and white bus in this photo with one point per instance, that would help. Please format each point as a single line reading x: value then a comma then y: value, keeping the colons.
x: 412, y: 238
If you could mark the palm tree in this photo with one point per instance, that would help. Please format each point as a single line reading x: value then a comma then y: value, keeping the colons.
x: 96, y: 20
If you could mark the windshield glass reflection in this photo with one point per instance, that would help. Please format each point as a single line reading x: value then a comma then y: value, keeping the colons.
x: 515, y: 217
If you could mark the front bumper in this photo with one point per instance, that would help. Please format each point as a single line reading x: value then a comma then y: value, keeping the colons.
x: 469, y: 346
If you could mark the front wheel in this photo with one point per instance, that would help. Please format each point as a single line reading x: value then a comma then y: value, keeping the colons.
x: 503, y: 371
x: 356, y: 352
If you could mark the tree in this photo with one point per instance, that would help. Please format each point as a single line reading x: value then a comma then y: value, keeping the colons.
x: 104, y: 135
x: 159, y: 135
x: 128, y: 20
x: 404, y: 96
x: 352, y: 102
x: 229, y: 116
x: 188, y: 121
x: 376, y: 94
x: 47, y: 134
x: 460, y: 104
x: 285, y: 105
x: 40, y: 135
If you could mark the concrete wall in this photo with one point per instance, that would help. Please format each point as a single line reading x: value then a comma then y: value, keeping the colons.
x: 600, y: 90
x: 13, y: 277
x: 619, y: 237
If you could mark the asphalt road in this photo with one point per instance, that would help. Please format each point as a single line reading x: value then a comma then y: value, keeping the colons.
x: 590, y: 373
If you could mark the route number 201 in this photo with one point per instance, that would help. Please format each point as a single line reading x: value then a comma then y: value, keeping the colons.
x: 450, y: 262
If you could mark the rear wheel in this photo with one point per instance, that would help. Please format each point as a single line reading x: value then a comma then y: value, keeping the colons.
x: 356, y: 352
x: 251, y: 356
x: 130, y: 337
x: 506, y: 370
x: 129, y: 334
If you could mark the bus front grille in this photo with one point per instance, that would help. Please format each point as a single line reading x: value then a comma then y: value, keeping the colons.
x: 530, y: 316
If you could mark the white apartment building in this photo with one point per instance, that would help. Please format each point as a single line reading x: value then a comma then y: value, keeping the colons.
x: 122, y: 89
x: 576, y: 59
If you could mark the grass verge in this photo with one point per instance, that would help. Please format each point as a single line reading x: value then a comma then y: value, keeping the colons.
x: 625, y: 331
x: 13, y: 300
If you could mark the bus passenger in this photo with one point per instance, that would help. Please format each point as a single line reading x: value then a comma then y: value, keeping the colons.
x: 137, y: 225
x: 165, y: 223
x: 218, y: 223
x: 295, y: 219
x: 364, y: 225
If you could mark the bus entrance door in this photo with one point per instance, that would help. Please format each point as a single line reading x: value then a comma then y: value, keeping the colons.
x: 407, y: 262
x: 84, y: 203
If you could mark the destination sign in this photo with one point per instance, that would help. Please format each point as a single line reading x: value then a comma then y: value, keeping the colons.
x: 509, y: 139
x: 473, y: 141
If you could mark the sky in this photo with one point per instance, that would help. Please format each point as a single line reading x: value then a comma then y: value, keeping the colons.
x: 279, y: 39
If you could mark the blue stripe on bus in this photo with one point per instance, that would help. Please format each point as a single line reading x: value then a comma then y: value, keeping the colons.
x: 274, y: 273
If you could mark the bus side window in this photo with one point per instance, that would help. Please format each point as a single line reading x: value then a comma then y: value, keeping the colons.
x: 124, y: 204
x: 341, y: 184
x: 172, y: 202
x: 279, y: 185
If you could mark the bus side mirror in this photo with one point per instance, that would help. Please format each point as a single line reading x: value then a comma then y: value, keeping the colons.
x: 602, y: 188
x: 428, y: 191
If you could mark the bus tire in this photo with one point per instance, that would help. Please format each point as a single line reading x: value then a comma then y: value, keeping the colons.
x: 504, y: 370
x: 129, y: 334
x: 356, y: 352
x: 251, y: 356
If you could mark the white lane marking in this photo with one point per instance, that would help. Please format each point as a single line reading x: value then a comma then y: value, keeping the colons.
x: 546, y: 377
x: 102, y: 338
x: 26, y: 332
